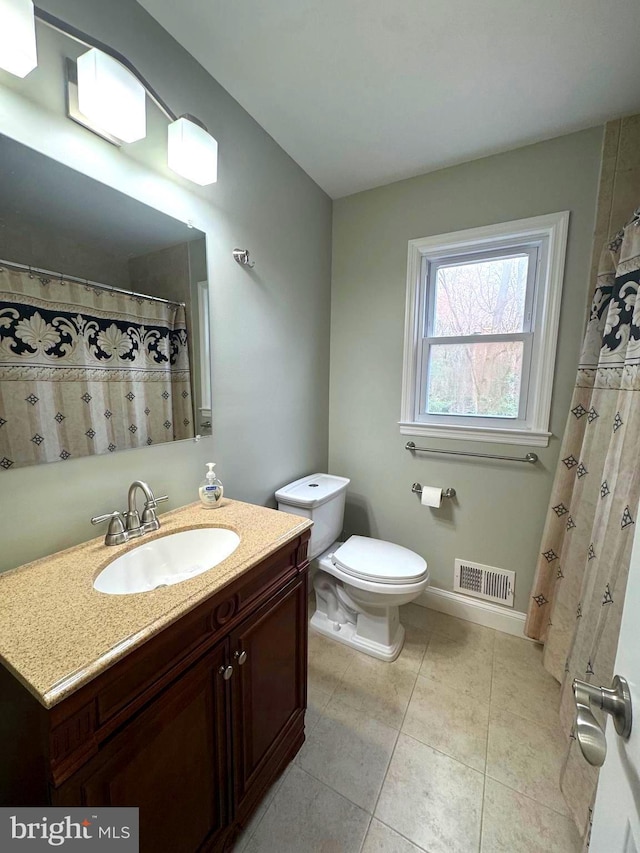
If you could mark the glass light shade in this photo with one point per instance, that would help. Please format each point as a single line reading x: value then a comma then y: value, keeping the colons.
x: 17, y: 37
x: 192, y: 152
x: 111, y: 96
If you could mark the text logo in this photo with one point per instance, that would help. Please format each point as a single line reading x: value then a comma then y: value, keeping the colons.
x: 73, y: 829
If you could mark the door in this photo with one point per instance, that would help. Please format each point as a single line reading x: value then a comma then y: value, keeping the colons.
x: 268, y: 652
x: 616, y: 818
x: 170, y: 761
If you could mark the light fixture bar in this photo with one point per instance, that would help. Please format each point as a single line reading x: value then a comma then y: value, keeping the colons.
x: 89, y: 41
x: 193, y: 152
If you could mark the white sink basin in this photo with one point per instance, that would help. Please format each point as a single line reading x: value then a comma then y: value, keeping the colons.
x: 167, y: 560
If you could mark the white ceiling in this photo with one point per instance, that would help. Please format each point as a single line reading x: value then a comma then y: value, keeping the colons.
x: 364, y: 92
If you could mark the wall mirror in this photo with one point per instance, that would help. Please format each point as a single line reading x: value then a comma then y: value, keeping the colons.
x: 104, y: 317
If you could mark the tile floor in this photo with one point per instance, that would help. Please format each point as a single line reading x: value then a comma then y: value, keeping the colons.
x: 452, y: 748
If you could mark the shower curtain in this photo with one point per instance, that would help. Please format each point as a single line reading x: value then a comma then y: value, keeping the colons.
x: 578, y: 593
x: 85, y: 370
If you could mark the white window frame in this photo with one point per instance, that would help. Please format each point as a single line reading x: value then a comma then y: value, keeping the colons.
x: 545, y: 239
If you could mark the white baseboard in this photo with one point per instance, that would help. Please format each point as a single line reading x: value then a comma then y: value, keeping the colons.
x: 474, y: 610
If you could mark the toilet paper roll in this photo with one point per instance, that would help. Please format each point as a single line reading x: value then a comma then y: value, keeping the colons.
x: 431, y: 496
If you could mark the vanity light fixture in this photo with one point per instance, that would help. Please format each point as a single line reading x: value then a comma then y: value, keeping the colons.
x: 111, y: 96
x: 18, y: 53
x: 192, y: 151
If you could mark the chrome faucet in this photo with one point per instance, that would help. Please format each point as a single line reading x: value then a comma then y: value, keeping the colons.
x: 129, y: 525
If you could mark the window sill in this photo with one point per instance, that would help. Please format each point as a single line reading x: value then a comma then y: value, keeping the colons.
x: 533, y: 438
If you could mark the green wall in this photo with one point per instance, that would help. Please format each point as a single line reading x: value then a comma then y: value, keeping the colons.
x: 499, y: 513
x: 270, y: 326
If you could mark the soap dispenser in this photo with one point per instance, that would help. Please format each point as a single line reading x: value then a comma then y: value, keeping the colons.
x: 211, y: 489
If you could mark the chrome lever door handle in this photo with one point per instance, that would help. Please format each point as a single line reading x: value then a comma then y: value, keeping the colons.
x: 615, y: 701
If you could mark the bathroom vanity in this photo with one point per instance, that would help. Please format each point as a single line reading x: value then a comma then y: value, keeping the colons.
x: 187, y: 701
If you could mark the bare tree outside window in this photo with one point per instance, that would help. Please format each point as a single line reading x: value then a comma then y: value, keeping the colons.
x: 486, y: 297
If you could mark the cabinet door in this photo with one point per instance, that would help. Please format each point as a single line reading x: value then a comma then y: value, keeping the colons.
x: 269, y: 686
x: 170, y: 761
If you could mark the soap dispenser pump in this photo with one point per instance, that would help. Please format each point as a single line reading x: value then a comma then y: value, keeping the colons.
x: 211, y: 489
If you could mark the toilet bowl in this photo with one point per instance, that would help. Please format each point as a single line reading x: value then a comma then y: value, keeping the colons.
x: 359, y: 584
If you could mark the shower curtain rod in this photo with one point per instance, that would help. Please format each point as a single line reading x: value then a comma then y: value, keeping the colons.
x: 62, y: 277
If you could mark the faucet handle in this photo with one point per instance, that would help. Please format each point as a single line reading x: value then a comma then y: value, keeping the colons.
x: 117, y: 531
x: 149, y: 518
x: 152, y: 504
x: 115, y: 518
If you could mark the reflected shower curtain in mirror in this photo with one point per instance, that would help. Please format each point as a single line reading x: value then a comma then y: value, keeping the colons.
x: 578, y: 592
x: 85, y: 370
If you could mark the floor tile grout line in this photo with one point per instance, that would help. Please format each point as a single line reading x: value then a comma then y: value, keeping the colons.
x: 364, y: 837
x: 446, y: 754
x: 528, y: 796
x: 493, y: 778
x: 386, y: 773
x: 479, y: 772
x: 335, y: 791
x: 532, y: 799
x: 278, y: 782
x: 484, y: 791
x: 442, y: 752
x: 486, y: 753
x: 548, y: 726
x: 397, y: 832
x: 384, y: 776
x: 395, y: 744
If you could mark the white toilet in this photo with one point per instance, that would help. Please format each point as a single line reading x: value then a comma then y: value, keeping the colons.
x: 360, y: 583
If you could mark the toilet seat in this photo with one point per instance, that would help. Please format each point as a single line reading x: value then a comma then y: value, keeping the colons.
x: 378, y: 561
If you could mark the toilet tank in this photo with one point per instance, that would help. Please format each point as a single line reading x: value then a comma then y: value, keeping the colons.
x: 321, y: 498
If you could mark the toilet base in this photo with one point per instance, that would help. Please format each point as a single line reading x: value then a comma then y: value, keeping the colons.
x: 347, y: 634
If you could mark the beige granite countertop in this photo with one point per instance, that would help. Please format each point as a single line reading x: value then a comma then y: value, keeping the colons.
x: 57, y: 632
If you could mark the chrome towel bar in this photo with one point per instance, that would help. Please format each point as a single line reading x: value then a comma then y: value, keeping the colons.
x: 530, y: 457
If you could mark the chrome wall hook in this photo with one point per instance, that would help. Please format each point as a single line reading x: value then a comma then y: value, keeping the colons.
x: 241, y: 256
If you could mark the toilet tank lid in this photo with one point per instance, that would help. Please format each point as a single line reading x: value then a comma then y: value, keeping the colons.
x: 312, y: 491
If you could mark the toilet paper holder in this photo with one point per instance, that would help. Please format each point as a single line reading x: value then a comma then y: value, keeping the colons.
x: 446, y: 493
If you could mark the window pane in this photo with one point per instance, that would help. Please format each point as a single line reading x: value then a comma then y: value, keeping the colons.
x: 475, y: 379
x: 481, y: 298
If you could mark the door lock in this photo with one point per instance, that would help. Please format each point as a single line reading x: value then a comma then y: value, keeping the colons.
x: 589, y: 733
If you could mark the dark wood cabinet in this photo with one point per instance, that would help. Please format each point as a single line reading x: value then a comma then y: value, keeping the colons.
x: 196, y: 747
x: 269, y: 651
x: 171, y: 761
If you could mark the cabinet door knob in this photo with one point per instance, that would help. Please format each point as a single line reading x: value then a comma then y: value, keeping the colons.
x: 226, y: 672
x: 241, y: 657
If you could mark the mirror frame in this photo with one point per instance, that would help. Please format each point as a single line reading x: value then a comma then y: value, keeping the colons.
x: 58, y: 138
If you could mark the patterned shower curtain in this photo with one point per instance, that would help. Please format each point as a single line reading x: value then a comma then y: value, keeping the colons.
x: 85, y: 370
x: 581, y: 578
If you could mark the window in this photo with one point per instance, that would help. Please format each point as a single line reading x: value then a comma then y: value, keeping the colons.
x: 480, y: 336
